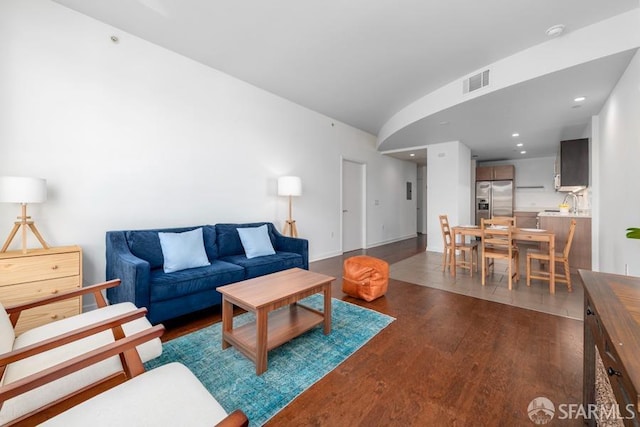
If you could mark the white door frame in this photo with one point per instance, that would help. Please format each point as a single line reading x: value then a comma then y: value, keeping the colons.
x: 363, y: 219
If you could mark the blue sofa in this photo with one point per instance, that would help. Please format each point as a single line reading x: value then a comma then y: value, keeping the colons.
x: 135, y: 257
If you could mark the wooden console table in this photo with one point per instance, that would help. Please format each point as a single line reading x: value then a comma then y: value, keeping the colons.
x: 612, y: 324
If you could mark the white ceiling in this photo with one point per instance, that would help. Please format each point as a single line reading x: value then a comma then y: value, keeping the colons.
x: 361, y: 61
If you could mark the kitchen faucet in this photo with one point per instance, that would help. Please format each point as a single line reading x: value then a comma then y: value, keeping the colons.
x: 574, y: 197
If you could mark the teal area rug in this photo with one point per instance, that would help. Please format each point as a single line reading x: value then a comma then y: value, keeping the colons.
x: 293, y: 367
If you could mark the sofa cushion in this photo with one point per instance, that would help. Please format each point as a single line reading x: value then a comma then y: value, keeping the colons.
x: 145, y: 244
x: 229, y: 240
x: 183, y: 250
x: 259, y: 266
x: 168, y: 286
x: 255, y: 241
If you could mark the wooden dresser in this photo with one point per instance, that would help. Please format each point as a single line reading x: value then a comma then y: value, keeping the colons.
x: 38, y: 273
x: 612, y: 325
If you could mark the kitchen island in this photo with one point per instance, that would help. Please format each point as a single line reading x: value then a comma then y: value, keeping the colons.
x: 558, y: 223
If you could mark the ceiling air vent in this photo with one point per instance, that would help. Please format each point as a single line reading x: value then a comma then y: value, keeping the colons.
x: 475, y: 82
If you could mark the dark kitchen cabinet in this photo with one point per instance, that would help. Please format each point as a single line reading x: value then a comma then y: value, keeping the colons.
x: 573, y: 164
x: 495, y: 173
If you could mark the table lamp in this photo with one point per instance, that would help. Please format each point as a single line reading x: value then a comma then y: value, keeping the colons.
x: 23, y: 190
x: 290, y: 186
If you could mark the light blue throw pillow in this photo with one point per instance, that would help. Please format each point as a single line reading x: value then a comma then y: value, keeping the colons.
x: 183, y: 250
x: 255, y: 241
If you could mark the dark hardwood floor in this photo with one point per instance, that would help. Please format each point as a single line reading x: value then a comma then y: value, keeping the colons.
x: 448, y: 360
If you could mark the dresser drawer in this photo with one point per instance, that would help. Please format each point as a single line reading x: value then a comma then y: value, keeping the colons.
x: 41, y: 267
x: 38, y: 274
x: 25, y: 292
x: 31, y: 318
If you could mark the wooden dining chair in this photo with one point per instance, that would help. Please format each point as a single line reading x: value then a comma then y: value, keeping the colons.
x: 562, y: 257
x: 504, y: 220
x: 497, y: 243
x: 465, y: 247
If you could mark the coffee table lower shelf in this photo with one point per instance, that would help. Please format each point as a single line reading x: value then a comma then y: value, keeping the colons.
x: 283, y: 325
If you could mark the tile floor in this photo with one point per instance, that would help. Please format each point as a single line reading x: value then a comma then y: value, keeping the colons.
x: 426, y: 269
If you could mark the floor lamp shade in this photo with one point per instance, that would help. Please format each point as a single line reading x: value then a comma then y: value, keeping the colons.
x: 289, y: 186
x: 23, y: 190
x: 18, y: 189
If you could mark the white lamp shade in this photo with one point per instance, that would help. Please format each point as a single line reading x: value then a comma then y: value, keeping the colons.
x: 19, y: 189
x: 289, y: 186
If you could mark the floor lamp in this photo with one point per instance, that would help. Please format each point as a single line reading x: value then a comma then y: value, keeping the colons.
x: 290, y: 186
x: 23, y: 190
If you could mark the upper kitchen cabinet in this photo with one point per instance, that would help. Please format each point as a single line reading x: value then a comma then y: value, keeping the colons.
x: 572, y: 165
x: 495, y: 173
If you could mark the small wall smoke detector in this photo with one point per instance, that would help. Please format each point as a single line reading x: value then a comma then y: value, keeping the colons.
x: 555, y: 31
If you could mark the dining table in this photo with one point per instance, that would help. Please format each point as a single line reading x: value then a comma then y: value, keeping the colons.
x: 521, y: 234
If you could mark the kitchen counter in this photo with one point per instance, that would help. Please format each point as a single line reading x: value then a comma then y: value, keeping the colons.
x: 567, y: 215
x: 580, y: 255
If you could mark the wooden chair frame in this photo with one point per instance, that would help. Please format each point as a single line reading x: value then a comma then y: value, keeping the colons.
x: 114, y: 324
x: 543, y: 257
x: 124, y: 347
x: 464, y: 247
x: 498, y: 243
x: 132, y: 366
x: 504, y: 220
x: 15, y: 310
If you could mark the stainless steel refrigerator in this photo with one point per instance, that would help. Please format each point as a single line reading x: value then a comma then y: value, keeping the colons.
x: 493, y: 198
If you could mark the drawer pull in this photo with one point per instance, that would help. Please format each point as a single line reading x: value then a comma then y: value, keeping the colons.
x: 55, y: 267
x: 613, y: 372
x: 54, y: 291
x: 55, y: 316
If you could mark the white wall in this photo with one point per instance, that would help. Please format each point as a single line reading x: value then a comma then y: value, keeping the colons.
x: 448, y: 188
x: 618, y: 174
x: 532, y: 173
x: 130, y: 135
x: 604, y: 38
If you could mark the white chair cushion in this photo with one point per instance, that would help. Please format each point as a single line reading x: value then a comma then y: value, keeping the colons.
x: 7, y: 334
x: 29, y: 401
x: 166, y: 396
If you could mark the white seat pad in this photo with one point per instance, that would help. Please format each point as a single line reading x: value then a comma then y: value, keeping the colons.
x: 29, y: 401
x: 166, y: 396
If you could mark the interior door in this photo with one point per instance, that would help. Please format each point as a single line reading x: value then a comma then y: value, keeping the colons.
x: 352, y: 205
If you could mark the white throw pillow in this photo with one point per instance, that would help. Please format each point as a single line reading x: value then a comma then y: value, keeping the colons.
x: 256, y: 241
x: 183, y: 250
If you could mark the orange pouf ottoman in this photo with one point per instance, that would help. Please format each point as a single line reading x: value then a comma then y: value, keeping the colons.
x: 365, y: 277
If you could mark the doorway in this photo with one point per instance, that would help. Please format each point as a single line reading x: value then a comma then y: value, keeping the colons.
x: 353, y: 205
x: 421, y: 199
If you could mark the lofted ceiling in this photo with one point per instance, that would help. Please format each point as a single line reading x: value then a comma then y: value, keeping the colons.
x: 361, y: 61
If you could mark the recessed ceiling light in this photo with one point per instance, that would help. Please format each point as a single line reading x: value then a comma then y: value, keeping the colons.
x: 519, y: 144
x: 515, y: 135
x: 580, y: 98
x: 412, y: 155
x: 523, y: 152
x: 555, y: 31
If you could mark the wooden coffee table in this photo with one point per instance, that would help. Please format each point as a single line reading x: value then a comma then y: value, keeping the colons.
x: 268, y: 297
